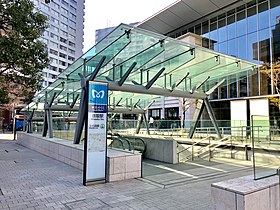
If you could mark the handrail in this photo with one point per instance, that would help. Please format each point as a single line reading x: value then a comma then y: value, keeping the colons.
x: 209, y: 146
x: 193, y: 144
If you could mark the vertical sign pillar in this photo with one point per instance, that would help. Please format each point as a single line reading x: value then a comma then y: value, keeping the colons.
x: 95, y: 145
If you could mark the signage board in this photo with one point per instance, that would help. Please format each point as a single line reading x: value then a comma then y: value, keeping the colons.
x: 96, y: 133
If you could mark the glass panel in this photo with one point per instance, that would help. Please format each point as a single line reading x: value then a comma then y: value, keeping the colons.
x: 261, y: 147
x: 263, y: 19
x: 231, y: 31
x: 232, y: 47
x: 241, y: 43
x: 274, y: 12
x: 241, y: 27
x: 252, y: 23
x: 252, y: 50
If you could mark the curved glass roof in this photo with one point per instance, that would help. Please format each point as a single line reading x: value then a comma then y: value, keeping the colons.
x: 137, y: 57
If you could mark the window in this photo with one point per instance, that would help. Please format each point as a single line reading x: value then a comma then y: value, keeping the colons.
x: 71, y: 58
x: 72, y: 8
x: 53, y: 60
x: 63, y: 63
x: 53, y: 68
x: 46, y: 33
x: 60, y: 70
x: 53, y: 52
x: 73, y: 2
x: 63, y: 40
x: 55, y: 5
x: 72, y: 23
x: 64, y: 33
x: 44, y: 40
x: 72, y: 16
x: 65, y: 11
x: 72, y: 37
x: 64, y: 18
x: 71, y: 51
x: 72, y: 30
x: 72, y: 44
x: 54, y: 28
x: 62, y: 55
x: 55, y: 13
x: 54, y: 20
x: 52, y: 76
x: 63, y: 48
x: 45, y: 7
x: 53, y: 44
x: 64, y: 3
x: 54, y: 36
x: 63, y: 25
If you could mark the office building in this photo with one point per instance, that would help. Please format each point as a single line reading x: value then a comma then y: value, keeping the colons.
x: 246, y: 29
x: 64, y: 36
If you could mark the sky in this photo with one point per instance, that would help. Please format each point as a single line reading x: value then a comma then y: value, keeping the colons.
x: 107, y: 13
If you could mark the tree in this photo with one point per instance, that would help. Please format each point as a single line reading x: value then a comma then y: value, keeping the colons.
x: 273, y: 73
x: 22, y: 55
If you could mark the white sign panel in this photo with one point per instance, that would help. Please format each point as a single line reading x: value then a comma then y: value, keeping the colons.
x: 96, y: 138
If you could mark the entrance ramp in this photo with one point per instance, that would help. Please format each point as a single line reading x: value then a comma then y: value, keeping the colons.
x: 166, y: 175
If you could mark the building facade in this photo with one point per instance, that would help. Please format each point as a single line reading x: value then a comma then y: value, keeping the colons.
x: 64, y: 36
x: 248, y: 30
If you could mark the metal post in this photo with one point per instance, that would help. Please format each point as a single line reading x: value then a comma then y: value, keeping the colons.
x: 212, y: 117
x: 50, y: 122
x: 139, y: 122
x: 147, y: 124
x: 197, y: 114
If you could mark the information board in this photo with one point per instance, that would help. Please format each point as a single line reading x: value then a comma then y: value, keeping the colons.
x: 96, y: 133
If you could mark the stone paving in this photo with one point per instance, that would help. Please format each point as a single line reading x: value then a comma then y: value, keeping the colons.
x: 29, y: 180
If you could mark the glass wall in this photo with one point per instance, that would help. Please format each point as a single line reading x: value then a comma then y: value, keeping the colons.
x: 250, y: 32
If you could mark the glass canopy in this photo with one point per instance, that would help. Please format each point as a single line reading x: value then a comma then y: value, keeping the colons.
x: 144, y: 59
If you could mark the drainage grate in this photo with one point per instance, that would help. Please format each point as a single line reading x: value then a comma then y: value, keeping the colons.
x: 1, y: 193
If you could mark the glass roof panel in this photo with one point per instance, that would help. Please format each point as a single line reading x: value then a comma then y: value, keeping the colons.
x: 185, y: 65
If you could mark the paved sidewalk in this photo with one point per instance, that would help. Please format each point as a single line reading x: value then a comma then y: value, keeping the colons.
x: 29, y: 180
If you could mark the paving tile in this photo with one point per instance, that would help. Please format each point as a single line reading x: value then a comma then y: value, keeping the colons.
x: 36, y: 181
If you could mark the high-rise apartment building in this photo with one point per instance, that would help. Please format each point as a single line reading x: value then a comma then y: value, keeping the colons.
x: 64, y: 36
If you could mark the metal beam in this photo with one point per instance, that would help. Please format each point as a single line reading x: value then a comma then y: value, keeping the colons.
x: 179, y: 81
x: 199, y: 85
x: 49, y: 122
x: 154, y: 91
x: 211, y: 90
x: 124, y: 77
x: 97, y: 68
x: 154, y: 79
x: 74, y: 101
x: 81, y: 113
x: 212, y: 117
x: 197, y: 114
x: 139, y: 122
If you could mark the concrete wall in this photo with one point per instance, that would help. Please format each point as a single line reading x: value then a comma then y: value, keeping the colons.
x: 164, y: 150
x: 120, y: 165
x: 245, y: 193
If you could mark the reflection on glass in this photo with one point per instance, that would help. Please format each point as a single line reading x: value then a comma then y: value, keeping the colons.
x: 232, y: 47
x: 275, y: 11
x: 241, y: 43
x: 263, y: 20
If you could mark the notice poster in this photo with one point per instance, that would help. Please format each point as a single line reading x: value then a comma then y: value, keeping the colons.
x: 96, y: 138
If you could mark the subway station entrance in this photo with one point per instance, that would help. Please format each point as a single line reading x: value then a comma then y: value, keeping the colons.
x: 140, y: 68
